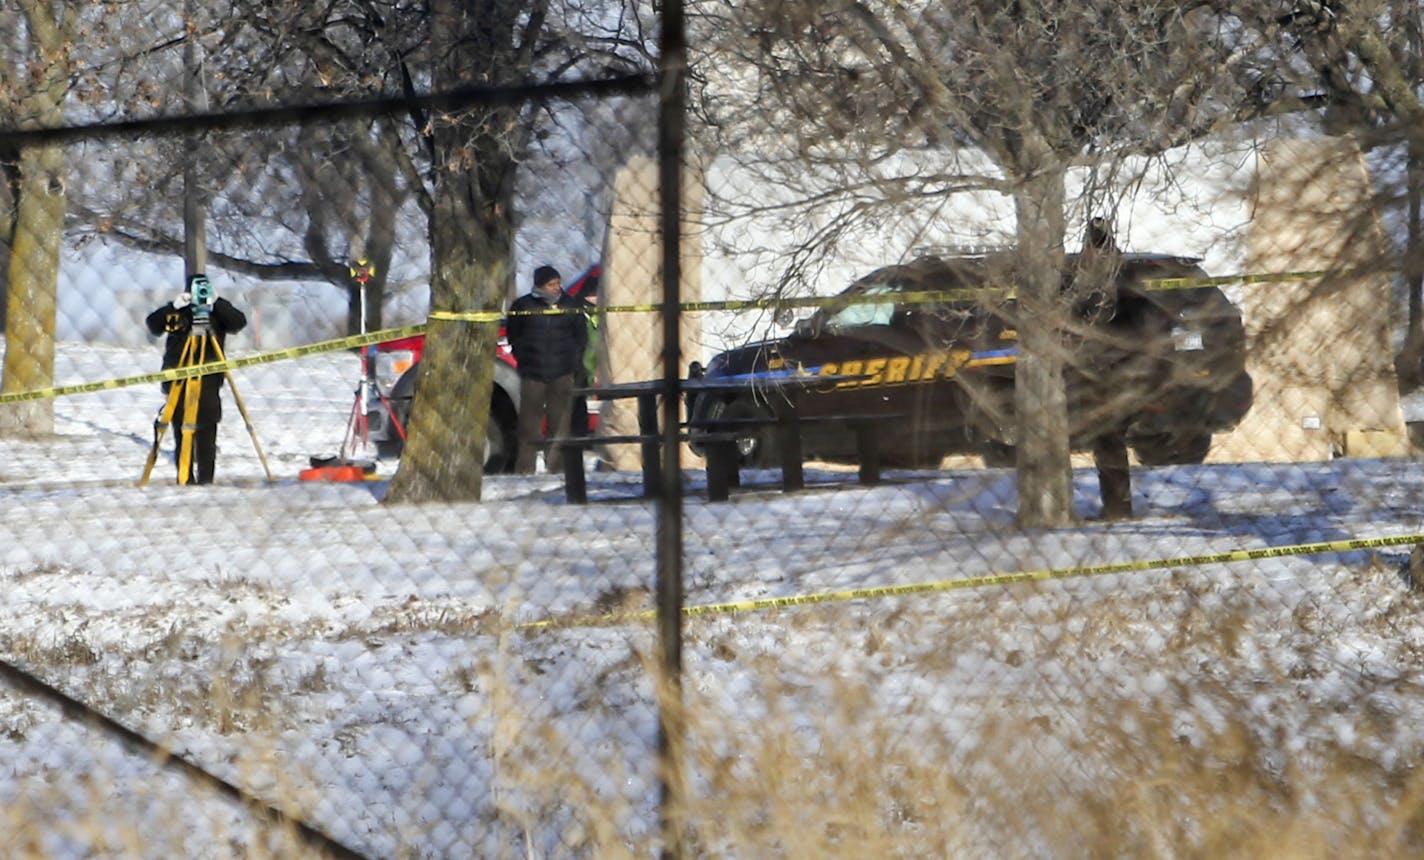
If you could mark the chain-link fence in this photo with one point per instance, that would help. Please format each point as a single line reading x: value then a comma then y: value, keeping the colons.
x: 972, y: 514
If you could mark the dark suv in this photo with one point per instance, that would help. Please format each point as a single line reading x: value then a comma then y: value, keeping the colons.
x: 1164, y: 365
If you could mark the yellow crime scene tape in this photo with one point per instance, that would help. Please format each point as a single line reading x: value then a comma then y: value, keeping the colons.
x: 905, y: 298
x: 735, y: 304
x: 919, y: 297
x: 1254, y: 278
x: 988, y: 580
x: 176, y: 373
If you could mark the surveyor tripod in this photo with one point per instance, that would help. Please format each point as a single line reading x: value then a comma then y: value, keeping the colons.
x: 201, y: 347
x: 368, y: 393
x: 358, y: 428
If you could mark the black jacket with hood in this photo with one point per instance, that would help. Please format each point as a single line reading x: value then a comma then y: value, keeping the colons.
x: 547, y: 346
x: 224, y: 319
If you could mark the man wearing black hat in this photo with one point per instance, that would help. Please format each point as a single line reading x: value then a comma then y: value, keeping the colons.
x: 549, y: 348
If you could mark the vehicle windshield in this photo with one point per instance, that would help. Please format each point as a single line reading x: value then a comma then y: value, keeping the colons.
x: 866, y: 313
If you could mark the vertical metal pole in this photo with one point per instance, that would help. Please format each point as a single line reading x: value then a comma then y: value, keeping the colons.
x: 195, y: 247
x: 363, y: 396
x: 671, y: 126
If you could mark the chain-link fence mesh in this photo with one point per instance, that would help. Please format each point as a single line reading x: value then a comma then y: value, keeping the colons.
x: 1097, y: 542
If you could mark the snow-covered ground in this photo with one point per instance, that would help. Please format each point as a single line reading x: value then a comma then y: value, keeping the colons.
x: 357, y: 663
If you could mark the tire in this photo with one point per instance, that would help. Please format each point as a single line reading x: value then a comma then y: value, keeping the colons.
x: 916, y: 459
x: 501, y: 437
x: 999, y: 455
x: 390, y: 448
x: 756, y: 449
x: 1170, y: 449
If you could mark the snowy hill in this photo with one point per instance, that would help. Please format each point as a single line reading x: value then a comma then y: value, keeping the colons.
x: 355, y: 662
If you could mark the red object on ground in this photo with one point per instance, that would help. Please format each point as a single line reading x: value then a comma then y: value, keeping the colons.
x: 334, y: 473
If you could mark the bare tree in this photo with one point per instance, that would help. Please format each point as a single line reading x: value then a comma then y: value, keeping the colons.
x: 475, y: 157
x: 438, y: 187
x: 37, y: 190
x: 361, y: 186
x: 63, y: 63
x: 472, y: 245
x: 1036, y: 87
x: 294, y: 203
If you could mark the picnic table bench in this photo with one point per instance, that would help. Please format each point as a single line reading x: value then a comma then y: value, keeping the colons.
x: 717, y: 437
x: 720, y: 457
x: 866, y: 428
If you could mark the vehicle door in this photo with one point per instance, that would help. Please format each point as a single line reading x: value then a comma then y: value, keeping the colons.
x: 860, y: 338
x: 949, y: 366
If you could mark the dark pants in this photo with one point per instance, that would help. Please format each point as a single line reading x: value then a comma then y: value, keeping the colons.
x: 205, y: 454
x: 205, y: 434
x: 578, y: 419
x: 542, y: 401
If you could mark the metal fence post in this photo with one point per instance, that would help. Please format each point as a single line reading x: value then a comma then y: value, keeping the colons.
x: 671, y: 121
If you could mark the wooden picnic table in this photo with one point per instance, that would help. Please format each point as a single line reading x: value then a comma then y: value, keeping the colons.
x: 781, y: 392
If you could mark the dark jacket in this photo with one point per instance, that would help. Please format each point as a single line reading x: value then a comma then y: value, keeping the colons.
x: 177, y: 323
x: 546, y: 346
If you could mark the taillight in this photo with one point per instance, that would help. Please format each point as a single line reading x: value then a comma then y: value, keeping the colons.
x: 390, y: 365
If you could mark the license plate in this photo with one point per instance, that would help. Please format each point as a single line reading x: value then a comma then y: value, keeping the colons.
x: 1185, y: 340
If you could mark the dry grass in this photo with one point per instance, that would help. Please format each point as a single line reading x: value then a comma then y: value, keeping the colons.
x: 1215, y: 760
x: 1027, y: 722
x: 1124, y: 783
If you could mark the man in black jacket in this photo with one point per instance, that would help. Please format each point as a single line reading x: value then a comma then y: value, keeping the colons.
x: 176, y: 320
x: 549, y: 348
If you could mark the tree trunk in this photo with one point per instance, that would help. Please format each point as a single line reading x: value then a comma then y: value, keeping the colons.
x: 445, y: 447
x: 39, y: 228
x: 9, y: 197
x: 1045, y: 490
x: 33, y: 280
x: 472, y: 246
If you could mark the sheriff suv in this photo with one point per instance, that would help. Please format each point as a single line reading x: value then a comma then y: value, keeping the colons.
x: 934, y: 345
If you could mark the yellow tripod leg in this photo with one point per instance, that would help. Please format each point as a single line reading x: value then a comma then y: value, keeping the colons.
x: 242, y: 409
x: 165, y: 416
x: 192, y: 392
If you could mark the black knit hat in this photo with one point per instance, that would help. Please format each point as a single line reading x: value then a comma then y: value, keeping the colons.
x: 545, y: 274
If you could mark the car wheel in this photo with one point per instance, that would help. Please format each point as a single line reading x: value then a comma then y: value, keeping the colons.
x: 389, y: 449
x: 501, y: 436
x: 756, y: 449
x: 501, y: 439
x: 999, y: 455
x: 1170, y: 449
